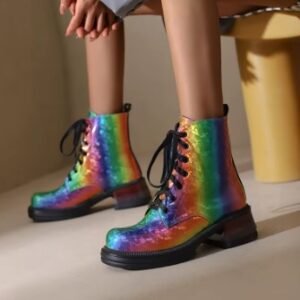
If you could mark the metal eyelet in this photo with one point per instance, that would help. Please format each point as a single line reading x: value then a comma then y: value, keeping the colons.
x: 180, y: 187
x: 172, y: 201
x: 185, y: 159
x: 186, y: 146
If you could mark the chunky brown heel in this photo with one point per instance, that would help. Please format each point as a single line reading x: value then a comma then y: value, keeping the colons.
x: 235, y: 232
x: 132, y: 195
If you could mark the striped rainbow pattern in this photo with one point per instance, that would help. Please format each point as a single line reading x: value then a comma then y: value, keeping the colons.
x: 109, y: 164
x: 211, y: 190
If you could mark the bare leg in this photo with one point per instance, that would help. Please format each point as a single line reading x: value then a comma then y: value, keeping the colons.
x: 105, y: 63
x: 193, y: 33
x: 105, y: 57
x: 153, y: 7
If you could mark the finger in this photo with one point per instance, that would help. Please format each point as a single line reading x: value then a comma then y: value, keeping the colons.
x: 80, y: 32
x: 100, y: 23
x: 106, y: 28
x: 111, y: 18
x: 105, y: 32
x: 72, y: 8
x: 76, y: 21
x: 90, y: 19
x: 116, y: 25
x: 64, y: 5
x: 111, y: 21
x: 94, y: 35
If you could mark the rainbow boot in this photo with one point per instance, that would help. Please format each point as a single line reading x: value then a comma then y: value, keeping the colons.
x: 201, y: 200
x: 105, y: 167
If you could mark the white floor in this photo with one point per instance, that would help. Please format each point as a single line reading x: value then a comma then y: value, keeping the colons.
x: 61, y: 260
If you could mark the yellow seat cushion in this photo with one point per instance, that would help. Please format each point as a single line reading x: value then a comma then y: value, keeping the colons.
x: 267, y: 26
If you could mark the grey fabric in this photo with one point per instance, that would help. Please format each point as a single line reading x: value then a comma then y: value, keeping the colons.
x: 122, y: 7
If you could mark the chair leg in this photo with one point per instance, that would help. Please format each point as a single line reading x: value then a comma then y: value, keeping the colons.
x: 270, y: 73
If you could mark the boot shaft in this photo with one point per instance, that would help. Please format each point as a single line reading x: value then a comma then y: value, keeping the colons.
x: 212, y: 187
x: 109, y: 161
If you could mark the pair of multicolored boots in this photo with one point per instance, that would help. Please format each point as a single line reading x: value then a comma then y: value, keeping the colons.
x: 200, y: 198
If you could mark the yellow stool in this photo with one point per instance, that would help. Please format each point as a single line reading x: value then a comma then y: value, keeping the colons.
x: 268, y: 47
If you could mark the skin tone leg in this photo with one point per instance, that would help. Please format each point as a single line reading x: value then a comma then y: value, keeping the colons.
x: 194, y: 39
x: 105, y: 59
x: 196, y: 56
x: 105, y: 65
x: 153, y: 7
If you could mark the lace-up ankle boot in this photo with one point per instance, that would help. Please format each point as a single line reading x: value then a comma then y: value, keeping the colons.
x: 200, y: 200
x: 105, y: 166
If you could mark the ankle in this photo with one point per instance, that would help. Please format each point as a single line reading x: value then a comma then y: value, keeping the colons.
x: 109, y: 110
x: 203, y: 113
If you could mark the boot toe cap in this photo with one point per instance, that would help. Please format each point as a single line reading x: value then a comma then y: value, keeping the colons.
x: 137, y: 238
x: 41, y: 200
x: 116, y: 240
x: 122, y: 239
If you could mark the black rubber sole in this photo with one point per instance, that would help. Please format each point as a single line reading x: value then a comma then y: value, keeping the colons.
x: 233, y: 230
x: 127, y: 196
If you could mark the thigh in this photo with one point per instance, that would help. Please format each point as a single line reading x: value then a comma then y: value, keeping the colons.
x: 149, y: 7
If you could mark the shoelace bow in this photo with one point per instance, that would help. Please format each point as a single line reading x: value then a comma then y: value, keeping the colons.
x: 79, y: 128
x: 170, y: 163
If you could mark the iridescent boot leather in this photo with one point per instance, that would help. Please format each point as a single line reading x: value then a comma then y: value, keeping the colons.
x: 201, y: 200
x: 105, y: 167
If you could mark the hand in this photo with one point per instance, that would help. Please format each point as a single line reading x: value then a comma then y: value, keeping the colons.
x: 90, y: 17
x: 67, y: 4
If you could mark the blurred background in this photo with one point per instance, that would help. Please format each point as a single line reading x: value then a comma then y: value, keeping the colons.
x: 44, y: 89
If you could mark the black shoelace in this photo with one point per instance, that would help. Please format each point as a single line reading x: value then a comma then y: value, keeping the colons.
x: 170, y: 163
x: 79, y: 129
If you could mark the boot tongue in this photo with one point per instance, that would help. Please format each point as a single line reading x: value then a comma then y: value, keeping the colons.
x: 184, y: 123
